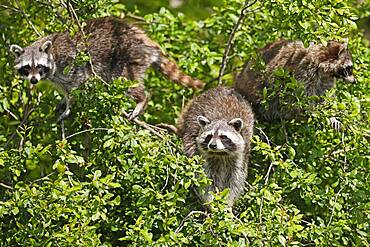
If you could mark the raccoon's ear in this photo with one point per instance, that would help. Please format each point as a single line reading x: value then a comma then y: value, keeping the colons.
x: 45, y: 47
x: 343, y: 47
x: 237, y: 123
x: 203, y: 121
x: 16, y: 50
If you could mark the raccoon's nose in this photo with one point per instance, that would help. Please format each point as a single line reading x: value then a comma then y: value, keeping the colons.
x: 350, y: 79
x: 34, y: 80
x: 212, y: 145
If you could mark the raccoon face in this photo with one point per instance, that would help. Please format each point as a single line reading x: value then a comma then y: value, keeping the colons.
x: 33, y: 62
x: 343, y: 65
x: 220, y: 137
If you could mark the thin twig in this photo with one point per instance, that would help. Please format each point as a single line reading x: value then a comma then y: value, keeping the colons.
x: 62, y: 129
x: 11, y: 114
x: 43, y: 178
x: 150, y: 128
x: 264, y: 134
x: 167, y: 177
x: 49, y: 5
x: 332, y: 209
x: 267, y: 176
x: 86, y: 130
x: 179, y: 228
x: 135, y: 17
x: 27, y: 113
x: 28, y: 20
x: 242, y: 223
x: 231, y: 37
x: 6, y: 186
x: 345, y: 152
x: 74, y: 16
x: 8, y: 7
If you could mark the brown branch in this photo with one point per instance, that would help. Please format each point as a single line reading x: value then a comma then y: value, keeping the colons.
x: 243, y: 12
x: 6, y: 186
x: 43, y: 178
x: 150, y: 128
x: 28, y: 20
x: 86, y: 130
x: 10, y: 8
x: 179, y: 228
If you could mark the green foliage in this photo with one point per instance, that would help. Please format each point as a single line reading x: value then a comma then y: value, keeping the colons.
x: 113, y: 183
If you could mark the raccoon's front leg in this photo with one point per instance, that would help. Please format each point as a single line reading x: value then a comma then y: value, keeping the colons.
x: 141, y: 99
x: 66, y: 104
x: 335, y: 123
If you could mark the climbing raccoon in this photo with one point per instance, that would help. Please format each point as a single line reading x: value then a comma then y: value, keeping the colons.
x: 315, y: 67
x: 116, y: 49
x: 218, y: 125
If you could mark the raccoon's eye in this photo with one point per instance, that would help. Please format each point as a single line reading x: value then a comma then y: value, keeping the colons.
x: 224, y: 138
x: 25, y: 70
x: 208, y: 139
x: 42, y: 69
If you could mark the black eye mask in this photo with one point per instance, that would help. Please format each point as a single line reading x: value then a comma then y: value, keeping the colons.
x: 25, y: 70
x: 345, y: 71
x: 42, y: 69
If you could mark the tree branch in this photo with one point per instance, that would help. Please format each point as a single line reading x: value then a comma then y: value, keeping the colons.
x: 179, y: 228
x: 6, y: 186
x: 231, y: 38
x: 28, y: 20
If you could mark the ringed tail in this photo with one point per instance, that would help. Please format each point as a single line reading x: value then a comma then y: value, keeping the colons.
x: 172, y: 72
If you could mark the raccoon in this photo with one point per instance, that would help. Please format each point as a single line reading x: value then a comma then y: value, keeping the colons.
x: 316, y: 67
x: 116, y: 49
x: 218, y: 125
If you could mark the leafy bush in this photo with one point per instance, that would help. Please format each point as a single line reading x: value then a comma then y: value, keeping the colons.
x: 111, y: 182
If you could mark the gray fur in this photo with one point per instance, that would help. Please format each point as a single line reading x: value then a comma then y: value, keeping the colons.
x: 220, y: 113
x: 116, y: 48
x: 316, y: 67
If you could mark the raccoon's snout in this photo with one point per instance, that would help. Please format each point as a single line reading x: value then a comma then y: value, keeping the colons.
x: 350, y: 79
x: 212, y: 145
x: 34, y: 80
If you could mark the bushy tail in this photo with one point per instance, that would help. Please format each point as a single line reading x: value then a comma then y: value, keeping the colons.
x: 172, y: 72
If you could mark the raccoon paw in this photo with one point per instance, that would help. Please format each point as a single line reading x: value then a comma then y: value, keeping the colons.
x: 335, y: 124
x: 64, y: 115
x: 139, y: 109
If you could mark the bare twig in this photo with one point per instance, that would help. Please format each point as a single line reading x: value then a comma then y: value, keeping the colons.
x: 49, y: 5
x: 8, y: 7
x: 6, y: 186
x: 179, y: 228
x: 27, y: 112
x: 28, y: 20
x: 264, y: 134
x: 74, y: 16
x: 267, y: 176
x: 43, y: 178
x: 87, y: 130
x: 167, y: 127
x: 332, y: 209
x: 167, y: 177
x: 11, y: 114
x: 135, y: 17
x: 62, y: 129
x: 243, y: 12
x: 150, y: 128
x: 242, y: 223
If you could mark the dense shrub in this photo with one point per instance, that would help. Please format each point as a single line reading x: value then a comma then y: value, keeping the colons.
x: 111, y: 182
